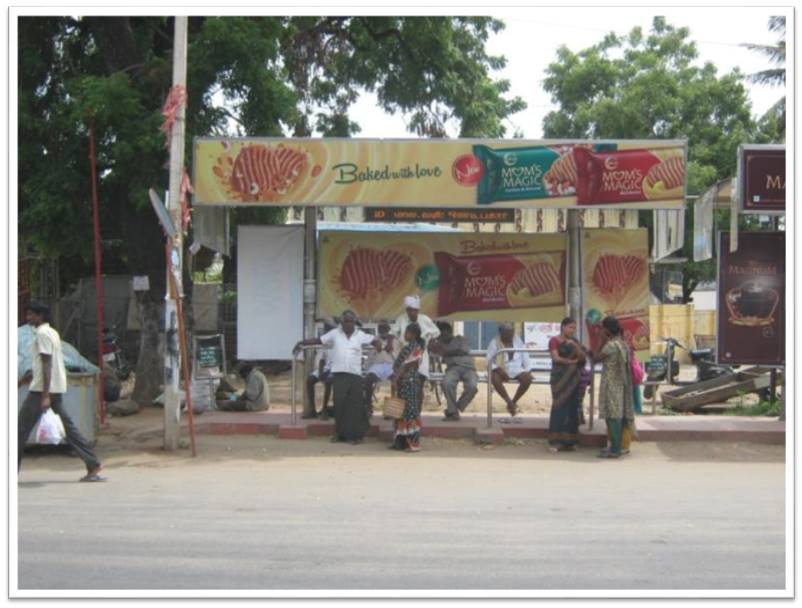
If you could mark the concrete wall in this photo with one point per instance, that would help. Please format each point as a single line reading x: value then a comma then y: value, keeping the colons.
x: 681, y: 322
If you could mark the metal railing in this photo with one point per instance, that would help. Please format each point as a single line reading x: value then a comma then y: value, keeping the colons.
x: 294, y: 377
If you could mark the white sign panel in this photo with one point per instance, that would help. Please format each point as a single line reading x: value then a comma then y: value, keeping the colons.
x: 269, y: 291
x: 537, y: 335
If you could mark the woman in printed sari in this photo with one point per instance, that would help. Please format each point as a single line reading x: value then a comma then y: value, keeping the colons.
x: 408, y: 386
x: 615, y: 397
x: 568, y: 359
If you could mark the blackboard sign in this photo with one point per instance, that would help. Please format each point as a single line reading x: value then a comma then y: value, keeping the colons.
x: 210, y: 352
x: 209, y: 356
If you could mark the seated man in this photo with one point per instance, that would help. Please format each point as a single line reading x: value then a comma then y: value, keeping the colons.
x: 512, y: 367
x: 459, y: 368
x: 255, y: 397
x: 380, y: 364
x: 321, y: 373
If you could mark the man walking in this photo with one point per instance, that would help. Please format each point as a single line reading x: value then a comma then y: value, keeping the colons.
x: 48, y: 381
x: 459, y: 368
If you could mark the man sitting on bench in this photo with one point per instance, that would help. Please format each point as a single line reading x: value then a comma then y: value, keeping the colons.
x: 459, y: 368
x: 512, y: 367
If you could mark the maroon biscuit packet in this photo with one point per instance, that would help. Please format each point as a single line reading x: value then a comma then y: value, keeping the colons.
x: 496, y: 282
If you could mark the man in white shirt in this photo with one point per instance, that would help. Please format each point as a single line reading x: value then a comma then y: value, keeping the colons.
x: 429, y: 330
x: 48, y: 380
x: 351, y: 419
x: 509, y: 367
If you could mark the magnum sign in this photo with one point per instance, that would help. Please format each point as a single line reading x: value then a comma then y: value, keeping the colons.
x: 751, y: 299
x: 761, y: 170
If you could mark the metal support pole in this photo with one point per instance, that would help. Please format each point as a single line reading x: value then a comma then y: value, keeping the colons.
x: 574, y: 271
x: 489, y: 395
x: 592, y: 396
x: 293, y: 389
x: 310, y: 295
x: 172, y: 412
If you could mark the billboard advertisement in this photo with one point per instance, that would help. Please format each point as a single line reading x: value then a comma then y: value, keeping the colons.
x: 761, y: 178
x: 751, y: 299
x: 615, y: 281
x: 458, y: 276
x: 457, y: 173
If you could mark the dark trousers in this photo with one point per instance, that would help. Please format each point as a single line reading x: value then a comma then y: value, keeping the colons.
x: 31, y: 412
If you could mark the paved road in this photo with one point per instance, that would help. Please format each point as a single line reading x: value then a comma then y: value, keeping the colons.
x: 259, y: 513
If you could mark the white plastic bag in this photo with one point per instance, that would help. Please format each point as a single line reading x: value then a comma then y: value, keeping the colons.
x: 51, y: 429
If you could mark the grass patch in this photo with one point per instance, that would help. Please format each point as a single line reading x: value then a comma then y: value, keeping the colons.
x: 763, y: 408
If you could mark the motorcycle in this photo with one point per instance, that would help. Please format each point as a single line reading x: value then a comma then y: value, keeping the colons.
x: 113, y: 355
x: 704, y: 359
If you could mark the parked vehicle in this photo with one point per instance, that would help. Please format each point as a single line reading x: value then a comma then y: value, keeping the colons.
x: 703, y: 358
x: 113, y: 355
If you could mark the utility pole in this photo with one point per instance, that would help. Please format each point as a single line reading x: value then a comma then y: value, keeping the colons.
x: 172, y: 359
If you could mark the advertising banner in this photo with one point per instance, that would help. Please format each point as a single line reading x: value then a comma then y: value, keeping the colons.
x: 751, y: 299
x: 449, y: 173
x: 459, y: 276
x: 761, y: 174
x: 615, y: 281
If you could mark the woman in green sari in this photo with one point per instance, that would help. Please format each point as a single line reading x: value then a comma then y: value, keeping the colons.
x: 615, y: 397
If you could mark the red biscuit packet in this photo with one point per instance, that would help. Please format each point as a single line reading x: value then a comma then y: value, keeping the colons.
x: 612, y: 177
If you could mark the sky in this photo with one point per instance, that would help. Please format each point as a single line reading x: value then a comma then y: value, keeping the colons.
x: 533, y: 35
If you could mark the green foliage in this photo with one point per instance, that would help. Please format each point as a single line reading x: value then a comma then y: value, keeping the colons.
x: 774, y: 76
x: 762, y: 408
x: 276, y: 75
x: 648, y: 86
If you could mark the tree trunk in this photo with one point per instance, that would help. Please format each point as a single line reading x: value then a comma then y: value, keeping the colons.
x: 150, y: 364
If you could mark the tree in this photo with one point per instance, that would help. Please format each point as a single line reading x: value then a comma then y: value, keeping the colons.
x: 648, y: 86
x: 773, y: 76
x: 277, y: 75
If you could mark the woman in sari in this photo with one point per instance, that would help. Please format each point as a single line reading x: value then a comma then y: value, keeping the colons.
x: 568, y: 359
x: 407, y: 385
x: 615, y: 397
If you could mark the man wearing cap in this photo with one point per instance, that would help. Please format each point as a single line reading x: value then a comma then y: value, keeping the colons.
x: 428, y: 329
x: 380, y: 362
x: 509, y: 367
x: 48, y: 380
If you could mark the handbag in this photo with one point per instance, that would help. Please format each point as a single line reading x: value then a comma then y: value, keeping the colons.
x: 393, y: 407
x: 51, y: 429
x: 636, y: 368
